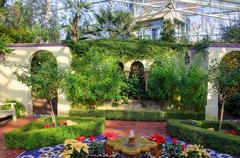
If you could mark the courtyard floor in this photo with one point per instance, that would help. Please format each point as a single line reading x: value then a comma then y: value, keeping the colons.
x: 121, y: 127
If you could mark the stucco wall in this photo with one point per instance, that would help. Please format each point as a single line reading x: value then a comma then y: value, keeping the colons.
x: 11, y: 88
x: 216, y: 53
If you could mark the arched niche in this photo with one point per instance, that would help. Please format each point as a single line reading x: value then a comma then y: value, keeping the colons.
x: 215, y: 55
x: 41, y: 106
x: 22, y: 55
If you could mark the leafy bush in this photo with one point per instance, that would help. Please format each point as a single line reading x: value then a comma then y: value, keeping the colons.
x: 135, y: 115
x: 96, y: 79
x: 130, y: 49
x: 20, y: 108
x: 172, y: 81
x: 193, y: 89
x: 233, y: 105
x: 202, y: 136
x: 34, y: 135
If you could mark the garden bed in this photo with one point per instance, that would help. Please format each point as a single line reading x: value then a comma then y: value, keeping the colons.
x: 134, y: 115
x: 34, y: 135
x: 199, y: 132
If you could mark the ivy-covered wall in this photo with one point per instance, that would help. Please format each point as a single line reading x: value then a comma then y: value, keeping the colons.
x: 131, y: 49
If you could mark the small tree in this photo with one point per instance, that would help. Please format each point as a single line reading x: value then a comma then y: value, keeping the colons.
x: 45, y: 81
x: 225, y: 78
x: 96, y: 79
x: 168, y: 33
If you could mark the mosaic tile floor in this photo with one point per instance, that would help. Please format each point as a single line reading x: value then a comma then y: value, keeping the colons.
x: 54, y: 152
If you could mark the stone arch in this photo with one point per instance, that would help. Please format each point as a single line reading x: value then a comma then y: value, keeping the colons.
x: 216, y: 52
x: 22, y: 55
x: 137, y: 68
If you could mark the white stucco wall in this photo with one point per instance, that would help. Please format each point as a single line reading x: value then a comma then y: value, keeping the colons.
x: 11, y: 88
x: 215, y: 54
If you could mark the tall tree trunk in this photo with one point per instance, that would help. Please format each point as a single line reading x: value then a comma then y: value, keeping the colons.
x: 221, y: 115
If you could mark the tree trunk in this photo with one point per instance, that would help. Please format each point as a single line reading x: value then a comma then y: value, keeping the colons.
x: 221, y: 115
x: 53, y: 114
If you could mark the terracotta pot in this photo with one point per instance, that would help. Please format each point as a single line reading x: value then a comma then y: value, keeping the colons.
x: 108, y: 150
x: 157, y: 152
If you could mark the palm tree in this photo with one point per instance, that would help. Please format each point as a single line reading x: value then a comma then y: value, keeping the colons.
x: 116, y: 24
x: 79, y: 10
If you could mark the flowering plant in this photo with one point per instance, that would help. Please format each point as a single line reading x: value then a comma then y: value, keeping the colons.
x: 74, y: 149
x: 174, y: 149
x: 92, y: 138
x: 110, y: 135
x: 195, y: 151
x: 80, y: 138
x: 47, y: 126
x: 159, y: 139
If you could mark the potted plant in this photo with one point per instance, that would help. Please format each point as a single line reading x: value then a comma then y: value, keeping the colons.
x: 195, y: 151
x: 75, y: 149
x: 160, y: 140
x: 174, y: 149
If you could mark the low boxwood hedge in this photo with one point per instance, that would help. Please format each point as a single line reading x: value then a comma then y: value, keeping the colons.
x: 195, y: 134
x: 133, y: 115
x: 34, y: 136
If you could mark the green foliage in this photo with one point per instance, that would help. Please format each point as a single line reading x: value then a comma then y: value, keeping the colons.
x: 134, y: 115
x: 193, y: 89
x: 34, y: 135
x: 20, y: 109
x: 96, y: 79
x: 168, y: 33
x: 173, y: 150
x: 96, y: 148
x: 170, y: 80
x: 3, y: 43
x: 209, y: 139
x: 115, y: 24
x: 164, y: 78
x: 44, y: 77
x: 135, y: 88
x: 131, y: 49
x: 231, y: 33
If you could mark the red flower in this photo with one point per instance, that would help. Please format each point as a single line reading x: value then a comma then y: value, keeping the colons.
x: 232, y: 132
x: 110, y: 135
x: 47, y: 126
x: 184, y: 146
x: 92, y: 138
x: 174, y: 141
x: 80, y: 138
x: 158, y: 139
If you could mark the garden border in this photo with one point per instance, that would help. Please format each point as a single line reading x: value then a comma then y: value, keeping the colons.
x: 218, y: 141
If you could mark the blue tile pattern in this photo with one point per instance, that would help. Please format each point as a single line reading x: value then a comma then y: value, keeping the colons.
x: 54, y: 151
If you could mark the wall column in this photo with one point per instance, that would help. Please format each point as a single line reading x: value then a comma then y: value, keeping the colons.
x: 146, y: 76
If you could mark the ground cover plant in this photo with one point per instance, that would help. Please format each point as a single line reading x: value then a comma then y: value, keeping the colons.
x: 40, y: 133
x: 135, y: 115
x: 203, y: 133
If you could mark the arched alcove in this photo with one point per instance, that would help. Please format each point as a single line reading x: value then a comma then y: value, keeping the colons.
x: 41, y: 60
x: 230, y: 65
x: 22, y: 55
x: 216, y: 52
x: 137, y: 80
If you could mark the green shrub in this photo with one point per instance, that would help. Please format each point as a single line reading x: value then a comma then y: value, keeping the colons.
x: 20, y: 109
x: 135, y: 115
x: 215, y: 140
x: 34, y: 135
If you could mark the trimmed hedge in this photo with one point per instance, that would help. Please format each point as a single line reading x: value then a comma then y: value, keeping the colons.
x: 34, y: 135
x: 194, y: 134
x: 133, y: 115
